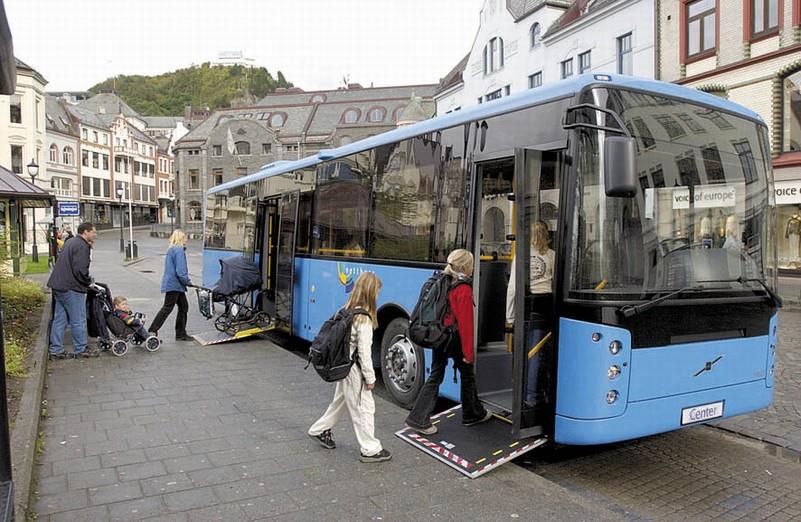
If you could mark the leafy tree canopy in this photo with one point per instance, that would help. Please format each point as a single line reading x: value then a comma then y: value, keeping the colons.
x: 212, y: 86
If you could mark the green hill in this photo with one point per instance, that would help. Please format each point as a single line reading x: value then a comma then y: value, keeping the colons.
x: 201, y: 86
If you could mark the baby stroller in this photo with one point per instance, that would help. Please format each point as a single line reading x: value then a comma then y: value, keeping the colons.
x: 239, y: 279
x: 103, y: 324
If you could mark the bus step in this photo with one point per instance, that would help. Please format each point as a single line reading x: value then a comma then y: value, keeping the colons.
x: 217, y: 337
x: 472, y: 450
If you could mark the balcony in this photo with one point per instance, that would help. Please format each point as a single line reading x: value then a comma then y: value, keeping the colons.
x: 128, y: 151
x: 65, y: 193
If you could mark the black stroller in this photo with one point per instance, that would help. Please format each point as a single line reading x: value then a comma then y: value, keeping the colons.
x: 239, y: 279
x: 103, y: 324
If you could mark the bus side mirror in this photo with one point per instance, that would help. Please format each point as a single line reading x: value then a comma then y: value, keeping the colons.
x: 620, y: 166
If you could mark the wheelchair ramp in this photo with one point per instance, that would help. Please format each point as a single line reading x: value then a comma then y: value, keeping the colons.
x: 217, y: 337
x: 473, y: 450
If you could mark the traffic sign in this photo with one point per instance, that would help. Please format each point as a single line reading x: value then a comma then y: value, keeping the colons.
x: 69, y: 208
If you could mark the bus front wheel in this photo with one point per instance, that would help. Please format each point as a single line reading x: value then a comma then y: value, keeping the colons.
x: 402, y: 364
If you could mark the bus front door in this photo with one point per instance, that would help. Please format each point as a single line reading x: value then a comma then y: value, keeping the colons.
x: 285, y: 258
x: 267, y: 217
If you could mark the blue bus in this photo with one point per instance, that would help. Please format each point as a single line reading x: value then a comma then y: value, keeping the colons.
x: 660, y: 311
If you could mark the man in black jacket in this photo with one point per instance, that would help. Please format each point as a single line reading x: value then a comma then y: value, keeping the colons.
x: 70, y: 281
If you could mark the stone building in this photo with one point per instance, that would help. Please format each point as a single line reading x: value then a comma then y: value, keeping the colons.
x: 286, y: 125
x: 748, y: 51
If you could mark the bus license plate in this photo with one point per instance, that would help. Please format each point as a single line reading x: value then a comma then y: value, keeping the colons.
x: 702, y: 413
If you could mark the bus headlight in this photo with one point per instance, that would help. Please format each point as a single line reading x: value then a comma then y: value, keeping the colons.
x: 615, y: 347
x: 611, y: 396
x: 613, y: 371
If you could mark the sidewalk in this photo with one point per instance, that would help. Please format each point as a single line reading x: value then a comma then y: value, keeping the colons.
x: 219, y: 433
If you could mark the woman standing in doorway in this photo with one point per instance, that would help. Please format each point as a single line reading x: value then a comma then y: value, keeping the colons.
x: 173, y: 286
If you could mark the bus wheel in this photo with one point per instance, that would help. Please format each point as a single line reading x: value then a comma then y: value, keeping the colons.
x: 402, y: 364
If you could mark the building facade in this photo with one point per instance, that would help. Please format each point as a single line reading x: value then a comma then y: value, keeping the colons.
x: 287, y: 125
x: 522, y: 44
x: 748, y: 51
x: 63, y: 153
x: 22, y: 140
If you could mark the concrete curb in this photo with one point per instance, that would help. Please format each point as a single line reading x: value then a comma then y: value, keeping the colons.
x: 26, y: 425
x: 768, y: 447
x: 135, y: 261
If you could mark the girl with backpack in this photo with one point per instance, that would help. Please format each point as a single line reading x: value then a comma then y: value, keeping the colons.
x: 460, y: 299
x: 354, y: 392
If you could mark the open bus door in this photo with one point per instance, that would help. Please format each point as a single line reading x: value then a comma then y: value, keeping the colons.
x: 509, y: 384
x: 267, y: 218
x: 285, y: 258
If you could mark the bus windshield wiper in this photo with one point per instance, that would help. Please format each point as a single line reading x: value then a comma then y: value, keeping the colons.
x: 743, y: 280
x: 631, y: 310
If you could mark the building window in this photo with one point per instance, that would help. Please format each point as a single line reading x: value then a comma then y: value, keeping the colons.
x: 277, y: 120
x: 764, y: 16
x: 350, y: 116
x: 700, y: 27
x: 584, y: 62
x: 216, y: 150
x: 194, y: 179
x: 791, y: 113
x: 671, y: 126
x: 624, y: 60
x: 85, y: 158
x: 94, y: 136
x: 243, y: 148
x: 567, y: 68
x: 493, y: 55
x: 266, y: 148
x: 96, y: 160
x: 494, y: 95
x: 535, y: 80
x: 15, y: 108
x: 535, y: 34
x: 67, y: 157
x: 241, y: 171
x: 376, y: 115
x: 218, y: 176
x: 84, y: 134
x: 86, y: 186
x: 105, y: 139
x: 16, y: 159
x: 691, y: 124
x: 480, y: 100
x: 195, y: 211
x: 507, y: 90
x: 105, y: 161
x: 317, y: 98
x: 53, y: 153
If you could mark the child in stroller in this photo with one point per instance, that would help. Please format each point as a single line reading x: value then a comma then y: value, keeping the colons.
x: 114, y: 316
x: 240, y: 278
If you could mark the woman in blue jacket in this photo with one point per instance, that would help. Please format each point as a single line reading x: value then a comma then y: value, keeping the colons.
x: 173, y: 286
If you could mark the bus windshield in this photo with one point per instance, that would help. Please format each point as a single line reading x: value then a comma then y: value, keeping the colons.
x: 700, y: 218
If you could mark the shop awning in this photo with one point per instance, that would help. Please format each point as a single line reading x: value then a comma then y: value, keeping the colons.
x: 23, y: 192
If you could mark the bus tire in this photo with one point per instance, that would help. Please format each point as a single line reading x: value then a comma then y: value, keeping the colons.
x: 402, y: 364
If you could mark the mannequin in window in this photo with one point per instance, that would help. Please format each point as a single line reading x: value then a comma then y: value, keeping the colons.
x: 732, y: 234
x: 541, y: 268
x: 719, y: 230
x: 792, y: 232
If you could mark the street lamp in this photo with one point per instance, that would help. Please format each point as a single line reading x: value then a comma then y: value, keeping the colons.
x: 120, y: 193
x: 33, y: 170
x: 172, y: 213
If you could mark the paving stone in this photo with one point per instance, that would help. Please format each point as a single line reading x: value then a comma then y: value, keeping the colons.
x: 68, y: 501
x: 219, y: 512
x: 141, y: 471
x: 137, y: 509
x: 267, y: 506
x: 191, y: 499
x: 166, y: 484
x: 170, y: 451
x: 92, y: 514
x: 114, y: 493
x: 111, y: 460
x: 91, y: 479
x: 190, y: 463
x: 74, y: 465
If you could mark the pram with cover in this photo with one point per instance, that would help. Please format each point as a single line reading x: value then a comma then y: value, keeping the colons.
x: 239, y: 279
x: 103, y: 324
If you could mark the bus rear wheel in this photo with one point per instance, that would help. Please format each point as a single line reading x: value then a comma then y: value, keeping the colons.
x: 402, y: 364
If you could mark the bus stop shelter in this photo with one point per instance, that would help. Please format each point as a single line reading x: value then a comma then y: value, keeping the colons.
x: 16, y: 195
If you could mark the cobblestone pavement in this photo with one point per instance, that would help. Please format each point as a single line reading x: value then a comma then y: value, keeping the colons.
x: 219, y: 433
x: 780, y: 424
x: 699, y: 473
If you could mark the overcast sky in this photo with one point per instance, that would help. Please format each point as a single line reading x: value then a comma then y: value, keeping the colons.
x: 78, y: 43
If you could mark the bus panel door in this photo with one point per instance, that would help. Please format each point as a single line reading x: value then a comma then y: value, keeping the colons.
x: 285, y: 259
x: 267, y: 239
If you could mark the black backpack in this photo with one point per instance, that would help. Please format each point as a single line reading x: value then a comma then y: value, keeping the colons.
x: 426, y: 326
x: 330, y: 351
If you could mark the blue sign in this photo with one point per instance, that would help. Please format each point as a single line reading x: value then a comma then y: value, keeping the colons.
x: 69, y: 208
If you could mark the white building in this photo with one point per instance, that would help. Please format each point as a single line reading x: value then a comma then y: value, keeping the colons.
x: 521, y: 44
x: 62, y: 158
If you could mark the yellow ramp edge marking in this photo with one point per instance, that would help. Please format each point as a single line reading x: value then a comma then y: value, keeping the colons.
x: 512, y: 445
x: 497, y: 453
x: 482, y: 459
x: 451, y: 415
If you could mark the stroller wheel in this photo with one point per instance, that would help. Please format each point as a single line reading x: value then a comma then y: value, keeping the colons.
x: 152, y: 343
x: 263, y: 318
x: 119, y: 348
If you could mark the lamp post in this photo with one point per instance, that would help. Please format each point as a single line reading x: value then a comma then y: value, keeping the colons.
x: 130, y: 220
x: 120, y: 193
x: 33, y: 170
x: 172, y: 213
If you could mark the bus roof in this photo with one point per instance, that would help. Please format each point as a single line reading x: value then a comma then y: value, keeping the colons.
x: 530, y: 97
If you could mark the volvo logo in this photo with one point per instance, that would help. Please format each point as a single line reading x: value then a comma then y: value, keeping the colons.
x: 708, y: 366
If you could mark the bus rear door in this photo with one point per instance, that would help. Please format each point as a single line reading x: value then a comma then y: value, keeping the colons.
x: 280, y: 268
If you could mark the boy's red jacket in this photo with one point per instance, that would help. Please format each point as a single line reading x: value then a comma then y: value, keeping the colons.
x: 461, y: 301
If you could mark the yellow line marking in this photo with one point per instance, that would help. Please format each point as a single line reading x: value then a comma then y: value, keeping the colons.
x: 533, y: 351
x: 497, y: 452
x: 512, y: 445
x: 482, y: 459
x: 504, y: 419
x: 435, y: 422
x: 451, y: 415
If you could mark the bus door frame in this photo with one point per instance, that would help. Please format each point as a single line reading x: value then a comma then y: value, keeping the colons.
x: 521, y: 250
x: 268, y: 222
x: 282, y: 259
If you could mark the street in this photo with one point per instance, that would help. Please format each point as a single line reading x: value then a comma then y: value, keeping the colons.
x: 218, y: 433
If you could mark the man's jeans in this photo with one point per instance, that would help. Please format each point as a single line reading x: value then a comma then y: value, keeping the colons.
x: 70, y: 309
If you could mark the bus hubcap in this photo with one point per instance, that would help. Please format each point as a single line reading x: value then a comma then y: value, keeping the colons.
x: 401, y: 363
